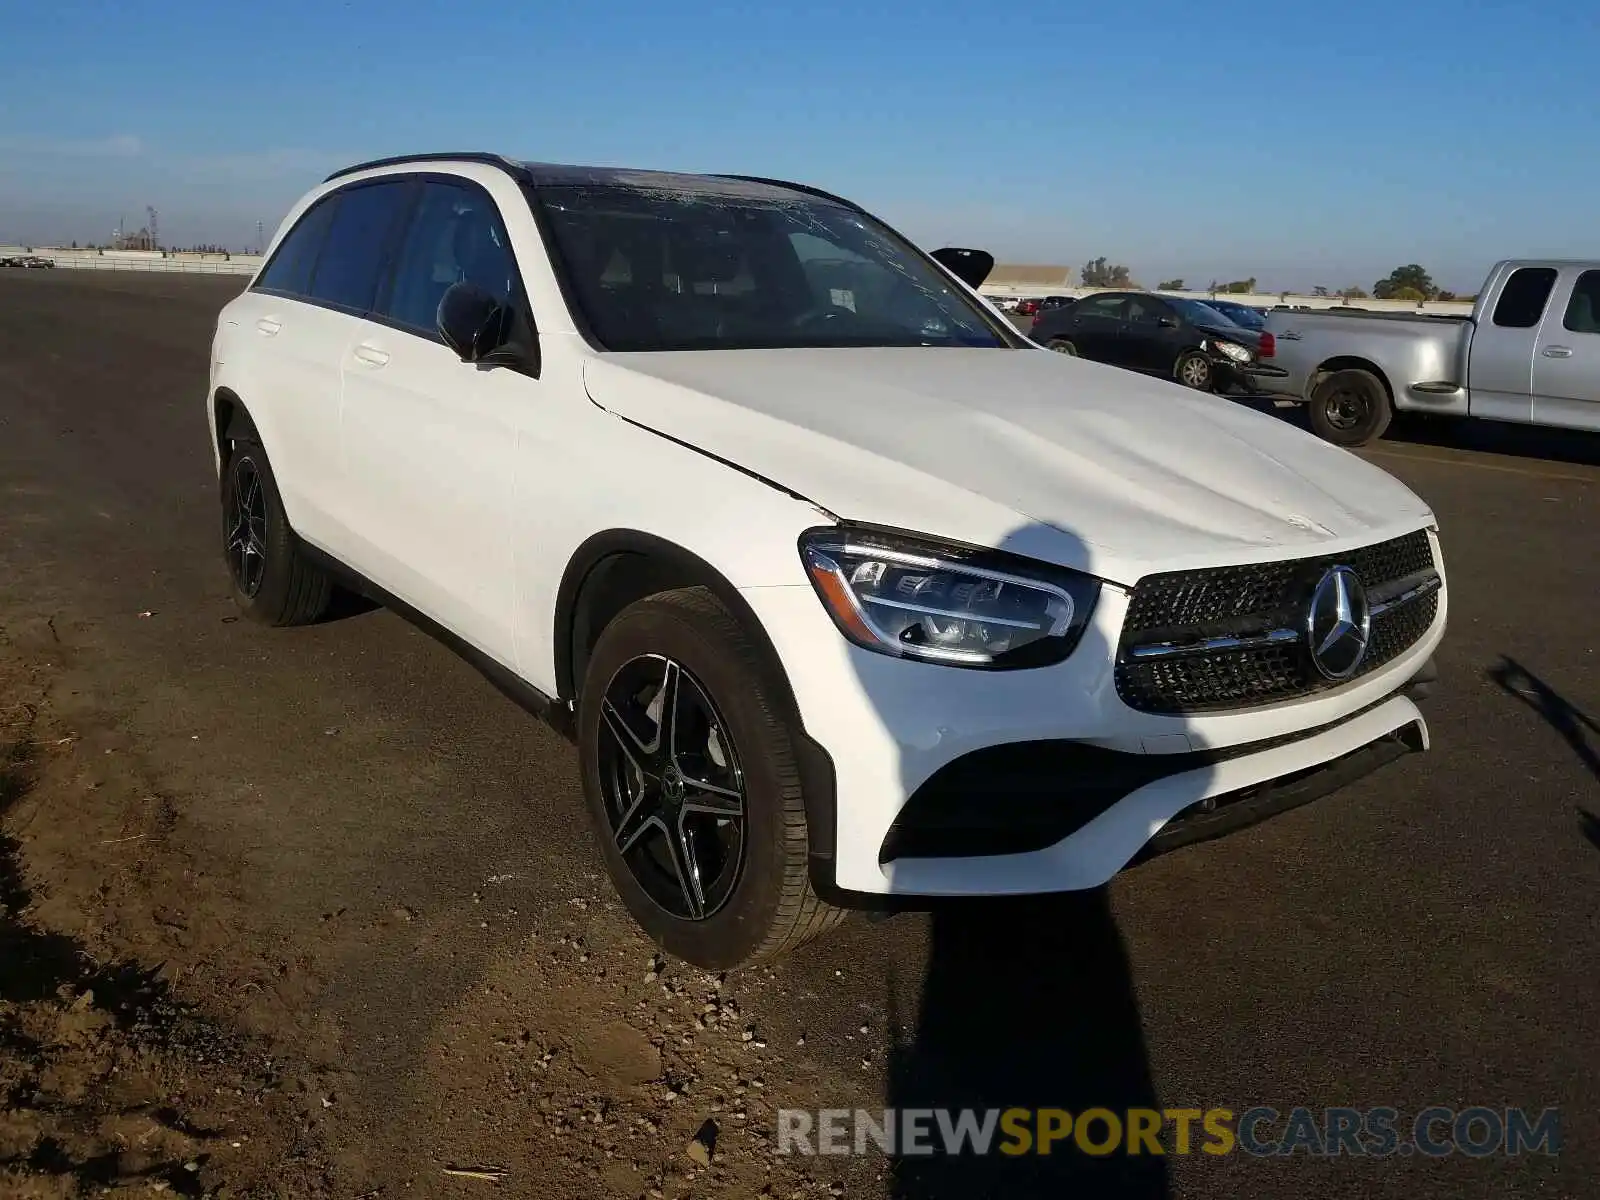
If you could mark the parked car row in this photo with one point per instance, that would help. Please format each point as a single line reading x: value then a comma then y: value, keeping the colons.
x: 26, y: 260
x: 1529, y: 352
x: 1033, y: 305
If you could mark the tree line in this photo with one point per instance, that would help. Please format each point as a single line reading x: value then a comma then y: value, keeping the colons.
x: 1410, y: 282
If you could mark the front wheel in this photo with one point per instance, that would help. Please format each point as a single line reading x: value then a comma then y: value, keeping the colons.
x: 1193, y: 369
x: 691, y: 781
x: 1350, y: 408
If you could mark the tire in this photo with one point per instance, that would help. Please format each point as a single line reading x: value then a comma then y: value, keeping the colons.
x: 1062, y: 346
x: 755, y: 902
x: 1193, y: 369
x: 1350, y: 408
x: 273, y: 582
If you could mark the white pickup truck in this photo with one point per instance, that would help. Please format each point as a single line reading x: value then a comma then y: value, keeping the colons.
x: 1530, y: 352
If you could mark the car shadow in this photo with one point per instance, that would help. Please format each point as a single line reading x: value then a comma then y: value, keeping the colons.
x: 344, y: 604
x: 1571, y: 722
x: 1497, y: 437
x: 1026, y: 1002
x: 1503, y: 438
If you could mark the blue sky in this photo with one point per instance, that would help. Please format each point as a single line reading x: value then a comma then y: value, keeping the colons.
x: 1303, y: 145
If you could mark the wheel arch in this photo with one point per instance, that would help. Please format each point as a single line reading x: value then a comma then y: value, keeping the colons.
x: 230, y: 420
x: 616, y: 567
x: 611, y: 570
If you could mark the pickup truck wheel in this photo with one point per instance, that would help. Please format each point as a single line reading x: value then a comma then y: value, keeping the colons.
x: 692, y: 786
x: 273, y: 582
x: 1350, y: 408
x: 1193, y: 369
x: 1062, y: 346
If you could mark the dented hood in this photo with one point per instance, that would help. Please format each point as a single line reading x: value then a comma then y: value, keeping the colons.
x: 1081, y: 464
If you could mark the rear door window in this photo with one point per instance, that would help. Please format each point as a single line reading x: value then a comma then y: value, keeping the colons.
x: 1106, y: 307
x: 455, y: 237
x: 1146, y: 310
x: 355, y: 252
x: 1523, y: 299
x: 289, y: 272
x: 1583, y: 310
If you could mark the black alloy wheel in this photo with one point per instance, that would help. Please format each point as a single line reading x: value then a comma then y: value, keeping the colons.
x: 686, y: 736
x: 673, y: 787
x: 245, y: 527
x: 273, y: 580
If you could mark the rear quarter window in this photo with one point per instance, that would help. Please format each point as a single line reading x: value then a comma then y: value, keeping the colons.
x: 289, y: 270
x: 1522, y: 301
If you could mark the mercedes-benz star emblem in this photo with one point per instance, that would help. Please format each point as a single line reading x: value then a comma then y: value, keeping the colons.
x: 672, y: 785
x: 1338, y: 623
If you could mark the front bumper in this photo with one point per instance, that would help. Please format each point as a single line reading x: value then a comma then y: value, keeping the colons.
x: 1253, y: 378
x: 890, y: 726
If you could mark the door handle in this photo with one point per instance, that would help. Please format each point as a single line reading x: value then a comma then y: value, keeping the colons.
x: 1557, y: 352
x: 269, y: 326
x: 371, y: 355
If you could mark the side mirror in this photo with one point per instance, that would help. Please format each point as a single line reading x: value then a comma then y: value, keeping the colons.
x: 972, y: 267
x: 472, y: 322
x: 1167, y: 322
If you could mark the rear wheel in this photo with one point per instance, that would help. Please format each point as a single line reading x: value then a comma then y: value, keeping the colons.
x: 1193, y: 369
x: 1062, y: 346
x: 1350, y: 408
x: 692, y: 786
x: 273, y: 582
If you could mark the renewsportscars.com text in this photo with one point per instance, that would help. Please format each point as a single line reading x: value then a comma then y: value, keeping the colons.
x: 1477, y: 1132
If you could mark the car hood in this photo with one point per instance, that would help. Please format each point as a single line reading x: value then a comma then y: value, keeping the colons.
x: 1250, y: 338
x: 1046, y: 455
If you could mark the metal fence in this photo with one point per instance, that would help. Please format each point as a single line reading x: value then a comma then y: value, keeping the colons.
x: 88, y: 261
x: 170, y: 265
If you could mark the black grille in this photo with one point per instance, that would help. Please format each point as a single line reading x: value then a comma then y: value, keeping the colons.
x: 1189, y: 605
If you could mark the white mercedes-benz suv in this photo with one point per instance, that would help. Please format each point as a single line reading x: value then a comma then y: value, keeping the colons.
x: 849, y: 595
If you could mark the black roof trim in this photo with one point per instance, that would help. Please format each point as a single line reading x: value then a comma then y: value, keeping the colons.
x: 510, y: 166
x: 804, y: 188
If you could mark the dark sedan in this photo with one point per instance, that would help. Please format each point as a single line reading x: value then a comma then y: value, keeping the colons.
x: 1163, y: 335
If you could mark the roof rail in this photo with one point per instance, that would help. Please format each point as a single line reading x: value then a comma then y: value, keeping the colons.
x: 474, y: 156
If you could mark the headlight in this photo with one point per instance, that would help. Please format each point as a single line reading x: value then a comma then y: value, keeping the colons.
x: 1233, y: 350
x: 919, y: 599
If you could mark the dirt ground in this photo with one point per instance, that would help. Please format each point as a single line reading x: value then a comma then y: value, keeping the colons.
x: 115, y: 1070
x: 315, y: 912
x: 145, y: 1043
